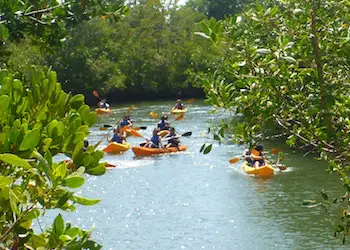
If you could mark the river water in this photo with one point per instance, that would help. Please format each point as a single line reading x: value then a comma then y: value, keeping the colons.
x: 189, y: 200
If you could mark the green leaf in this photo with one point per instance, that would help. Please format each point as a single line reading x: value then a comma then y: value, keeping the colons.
x: 207, y: 149
x: 37, y: 241
x: 73, y: 232
x: 58, y: 225
x: 62, y: 201
x: 13, y: 202
x: 263, y: 51
x: 30, y: 140
x: 202, y: 148
x: 85, y: 201
x: 15, y: 160
x: 32, y: 214
x: 73, y: 181
x: 289, y: 59
x: 98, y: 170
x: 77, y: 101
x: 65, y: 238
x: 5, y: 181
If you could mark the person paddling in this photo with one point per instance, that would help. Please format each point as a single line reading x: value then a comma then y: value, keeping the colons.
x: 163, y: 124
x: 117, y: 137
x: 179, y: 104
x: 155, y: 141
x: 103, y: 104
x: 255, y: 157
x: 125, y: 122
x: 173, y: 142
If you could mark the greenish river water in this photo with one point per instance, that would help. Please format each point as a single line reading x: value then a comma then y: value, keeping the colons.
x: 189, y: 200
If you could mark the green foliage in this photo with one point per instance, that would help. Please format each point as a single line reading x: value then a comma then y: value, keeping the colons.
x: 37, y: 121
x: 282, y: 83
x: 145, y: 53
x: 217, y: 9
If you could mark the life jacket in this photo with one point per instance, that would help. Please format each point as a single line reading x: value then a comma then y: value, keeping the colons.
x: 173, y: 141
x: 124, y: 123
x: 116, y: 138
x: 155, y: 140
x: 163, y: 124
x: 179, y: 106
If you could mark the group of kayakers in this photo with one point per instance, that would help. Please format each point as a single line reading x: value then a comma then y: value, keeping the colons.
x: 156, y: 139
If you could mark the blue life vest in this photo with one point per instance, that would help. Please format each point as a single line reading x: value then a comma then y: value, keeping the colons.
x: 124, y: 123
x: 116, y: 138
x: 155, y: 140
x: 163, y: 125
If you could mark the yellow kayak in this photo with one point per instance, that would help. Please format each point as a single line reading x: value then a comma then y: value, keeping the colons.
x: 116, y: 148
x: 103, y: 111
x: 263, y: 171
x: 179, y: 111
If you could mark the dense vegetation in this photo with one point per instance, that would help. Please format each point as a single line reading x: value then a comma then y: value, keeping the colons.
x: 151, y: 53
x: 282, y: 66
x: 286, y: 70
x: 38, y: 121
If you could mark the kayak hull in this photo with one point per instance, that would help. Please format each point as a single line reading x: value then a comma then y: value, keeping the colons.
x: 142, y: 151
x: 179, y: 111
x: 103, y: 111
x: 263, y: 171
x: 116, y: 148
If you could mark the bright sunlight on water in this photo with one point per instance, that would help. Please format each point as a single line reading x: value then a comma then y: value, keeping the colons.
x: 188, y: 200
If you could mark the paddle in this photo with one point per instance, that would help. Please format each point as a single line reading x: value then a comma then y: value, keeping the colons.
x: 106, y: 135
x: 177, y: 136
x: 153, y: 114
x: 190, y: 101
x: 95, y: 93
x: 134, y: 128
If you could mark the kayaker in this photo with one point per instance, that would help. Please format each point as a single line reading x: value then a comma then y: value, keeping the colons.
x: 103, y: 104
x: 173, y: 142
x: 125, y: 122
x: 155, y: 141
x: 247, y: 157
x: 117, y: 137
x: 164, y: 124
x: 257, y: 156
x: 179, y: 104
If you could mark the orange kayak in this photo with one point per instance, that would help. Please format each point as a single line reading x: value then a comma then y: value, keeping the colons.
x: 142, y: 151
x: 116, y: 148
x: 103, y: 111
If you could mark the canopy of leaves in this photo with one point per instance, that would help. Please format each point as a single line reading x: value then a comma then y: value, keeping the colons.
x: 286, y: 72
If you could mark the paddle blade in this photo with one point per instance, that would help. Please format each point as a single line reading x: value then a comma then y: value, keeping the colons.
x: 180, y: 117
x: 107, y: 126
x: 187, y: 134
x: 131, y: 108
x: 135, y: 133
x: 95, y: 93
x: 138, y: 128
x: 275, y: 150
x: 153, y: 114
x: 190, y: 101
x: 125, y: 128
x: 234, y: 160
x: 103, y: 128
